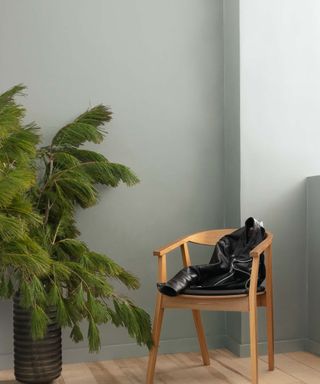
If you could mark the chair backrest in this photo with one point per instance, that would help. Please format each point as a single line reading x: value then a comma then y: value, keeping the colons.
x: 209, y: 237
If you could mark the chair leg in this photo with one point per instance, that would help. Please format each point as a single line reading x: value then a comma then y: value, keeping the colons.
x: 254, y: 344
x: 270, y: 331
x: 157, y: 322
x: 201, y: 337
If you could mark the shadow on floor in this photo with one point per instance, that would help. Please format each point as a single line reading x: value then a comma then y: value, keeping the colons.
x: 9, y: 382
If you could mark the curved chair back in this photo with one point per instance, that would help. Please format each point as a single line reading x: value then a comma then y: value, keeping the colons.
x: 210, y: 237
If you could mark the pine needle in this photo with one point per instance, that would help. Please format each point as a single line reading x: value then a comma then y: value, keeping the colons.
x: 41, y: 255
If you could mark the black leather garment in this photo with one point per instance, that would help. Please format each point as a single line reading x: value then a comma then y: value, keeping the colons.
x: 229, y: 267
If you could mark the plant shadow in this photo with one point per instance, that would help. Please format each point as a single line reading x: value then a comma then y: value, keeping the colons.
x: 9, y: 382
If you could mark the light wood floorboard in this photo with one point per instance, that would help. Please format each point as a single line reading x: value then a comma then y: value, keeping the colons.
x: 187, y: 368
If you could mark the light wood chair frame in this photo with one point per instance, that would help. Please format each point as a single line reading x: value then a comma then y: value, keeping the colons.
x: 239, y: 303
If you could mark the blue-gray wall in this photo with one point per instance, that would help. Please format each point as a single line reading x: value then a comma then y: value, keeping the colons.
x: 159, y: 65
x: 313, y: 264
x: 182, y: 78
x: 231, y: 123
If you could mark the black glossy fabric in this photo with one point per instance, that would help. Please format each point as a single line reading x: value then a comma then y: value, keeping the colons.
x: 220, y: 292
x: 229, y: 267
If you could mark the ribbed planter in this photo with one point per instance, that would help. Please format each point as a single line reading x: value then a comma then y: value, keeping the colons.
x: 37, y: 361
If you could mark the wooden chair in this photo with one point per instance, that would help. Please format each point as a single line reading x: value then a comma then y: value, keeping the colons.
x: 240, y: 303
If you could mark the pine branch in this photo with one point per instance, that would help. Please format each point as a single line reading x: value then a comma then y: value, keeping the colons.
x: 74, y: 279
x: 19, y: 146
x: 14, y: 182
x: 135, y: 319
x: 10, y: 113
x: 86, y: 127
x: 76, y: 334
x: 22, y: 260
x: 8, y: 97
x: 11, y: 228
x: 111, y: 269
x: 123, y: 173
x: 6, y: 286
x: 39, y: 322
x: 96, y: 116
x: 83, y: 155
x: 21, y: 207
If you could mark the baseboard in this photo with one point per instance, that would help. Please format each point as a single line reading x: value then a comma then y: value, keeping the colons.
x: 281, y: 346
x: 312, y: 346
x: 121, y: 351
x: 232, y: 344
x: 6, y: 361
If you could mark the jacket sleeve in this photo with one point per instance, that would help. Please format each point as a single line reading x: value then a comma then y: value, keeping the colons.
x: 182, y: 280
x: 189, y: 276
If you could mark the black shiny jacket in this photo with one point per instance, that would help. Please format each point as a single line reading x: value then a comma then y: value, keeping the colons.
x: 229, y: 267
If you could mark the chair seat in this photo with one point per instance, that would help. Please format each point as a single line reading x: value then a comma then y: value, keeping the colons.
x: 221, y: 292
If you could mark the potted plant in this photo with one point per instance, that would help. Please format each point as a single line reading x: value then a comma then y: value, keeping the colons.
x: 70, y: 283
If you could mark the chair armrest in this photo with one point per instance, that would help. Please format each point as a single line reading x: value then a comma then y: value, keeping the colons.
x: 255, y: 254
x: 261, y: 247
x: 171, y: 246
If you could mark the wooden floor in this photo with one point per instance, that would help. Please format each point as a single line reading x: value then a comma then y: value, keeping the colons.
x: 186, y: 368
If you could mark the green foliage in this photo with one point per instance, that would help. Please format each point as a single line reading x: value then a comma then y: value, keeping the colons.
x: 86, y: 127
x: 23, y: 262
x: 39, y: 322
x: 136, y: 320
x: 10, y: 113
x: 41, y: 255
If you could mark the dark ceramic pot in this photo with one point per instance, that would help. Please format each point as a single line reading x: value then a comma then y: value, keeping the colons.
x: 37, y: 361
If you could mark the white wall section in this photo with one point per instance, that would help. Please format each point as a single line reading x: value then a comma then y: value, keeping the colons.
x: 280, y: 120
